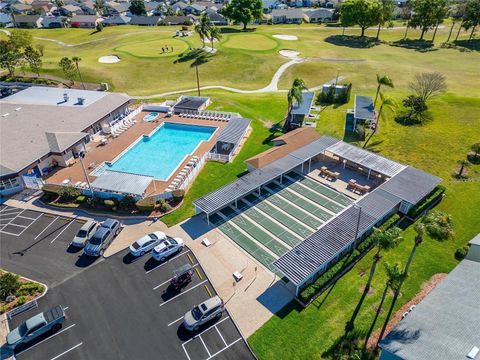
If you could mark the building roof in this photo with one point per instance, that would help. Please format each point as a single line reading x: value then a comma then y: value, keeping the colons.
x: 363, y: 108
x: 37, y: 110
x: 288, y: 13
x: 475, y: 241
x: 366, y: 158
x: 71, y: 8
x: 234, y: 131
x: 193, y: 103
x: 303, y: 108
x: 117, y: 19
x: 291, y: 141
x: 411, y: 184
x: 446, y: 323
x: 176, y: 20
x: 122, y: 182
x: 26, y: 18
x: 220, y: 198
x: 84, y: 18
x: 319, y: 248
x: 320, y: 12
x: 61, y: 141
x: 144, y: 20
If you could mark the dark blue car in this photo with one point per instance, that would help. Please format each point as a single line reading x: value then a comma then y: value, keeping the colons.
x: 102, y: 238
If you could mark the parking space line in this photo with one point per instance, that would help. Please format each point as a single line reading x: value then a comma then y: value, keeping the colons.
x: 48, y: 338
x: 199, y: 274
x: 175, y: 321
x: 186, y: 352
x: 225, y: 348
x: 23, y: 226
x: 29, y: 218
x: 30, y: 224
x: 8, y: 233
x: 182, y: 293
x: 166, y: 281
x: 205, y: 346
x: 67, y: 351
x: 221, y: 336
x: 166, y: 262
x: 218, y: 323
x: 12, y: 212
x: 61, y: 232
x: 36, y: 237
x: 208, y: 291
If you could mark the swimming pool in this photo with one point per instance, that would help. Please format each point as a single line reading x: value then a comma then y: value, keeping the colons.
x: 160, y: 153
x: 150, y: 117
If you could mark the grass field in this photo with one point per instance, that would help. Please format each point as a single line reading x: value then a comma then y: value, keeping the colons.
x: 248, y: 61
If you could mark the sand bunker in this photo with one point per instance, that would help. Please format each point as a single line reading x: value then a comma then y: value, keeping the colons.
x: 110, y: 59
x: 286, y: 37
x: 289, y: 53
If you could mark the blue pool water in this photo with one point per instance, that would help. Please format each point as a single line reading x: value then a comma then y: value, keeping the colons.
x: 151, y: 116
x: 160, y: 154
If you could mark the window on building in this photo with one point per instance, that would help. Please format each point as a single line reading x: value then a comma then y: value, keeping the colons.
x: 9, y: 184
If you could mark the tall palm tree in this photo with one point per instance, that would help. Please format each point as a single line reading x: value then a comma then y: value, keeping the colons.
x: 387, y: 103
x: 420, y: 230
x: 214, y: 35
x: 76, y: 60
x: 294, y: 95
x: 383, y: 240
x: 203, y: 28
x: 386, y: 13
x: 382, y: 81
x: 394, y: 277
x: 463, y: 165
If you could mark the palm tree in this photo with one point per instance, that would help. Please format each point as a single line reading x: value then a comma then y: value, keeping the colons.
x: 294, y: 94
x: 214, y: 35
x: 420, y: 230
x: 463, y: 164
x: 383, y: 240
x: 382, y: 81
x: 387, y: 103
x: 386, y: 12
x: 203, y: 27
x: 76, y: 60
x: 394, y: 277
x: 99, y: 6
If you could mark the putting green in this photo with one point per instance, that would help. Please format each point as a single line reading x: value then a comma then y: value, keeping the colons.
x: 250, y: 42
x: 153, y: 49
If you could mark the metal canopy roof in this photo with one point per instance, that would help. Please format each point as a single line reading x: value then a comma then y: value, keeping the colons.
x: 307, y: 257
x: 411, y: 184
x: 234, y: 131
x: 122, y: 182
x: 251, y: 181
x: 363, y: 108
x: 303, y: 108
x: 366, y: 158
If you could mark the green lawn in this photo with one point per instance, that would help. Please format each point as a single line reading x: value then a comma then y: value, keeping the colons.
x: 248, y: 61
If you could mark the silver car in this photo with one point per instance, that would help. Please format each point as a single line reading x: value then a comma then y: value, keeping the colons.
x: 84, y: 234
x: 208, y: 310
x: 147, y: 243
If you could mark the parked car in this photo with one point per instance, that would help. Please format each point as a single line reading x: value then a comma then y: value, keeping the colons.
x: 147, y: 243
x: 167, y: 247
x: 84, y: 234
x: 35, y: 326
x: 208, y: 310
x: 113, y: 225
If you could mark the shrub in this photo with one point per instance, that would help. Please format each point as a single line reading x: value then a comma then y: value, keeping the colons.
x: 127, y: 203
x: 109, y: 203
x: 425, y: 203
x: 438, y: 225
x: 81, y: 199
x: 163, y: 205
x: 390, y: 222
x: 178, y: 194
x: 69, y: 193
x: 461, y: 252
x: 29, y: 288
x: 147, y: 204
x: 9, y: 285
x: 21, y: 300
x: 94, y: 201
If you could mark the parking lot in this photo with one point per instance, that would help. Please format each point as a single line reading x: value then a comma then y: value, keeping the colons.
x: 120, y: 308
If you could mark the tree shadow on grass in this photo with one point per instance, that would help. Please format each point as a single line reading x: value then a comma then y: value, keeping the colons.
x: 414, y: 44
x: 356, y: 42
x: 467, y: 45
x: 373, y: 146
x: 196, y: 56
x: 349, y: 346
x: 418, y: 120
x: 228, y: 30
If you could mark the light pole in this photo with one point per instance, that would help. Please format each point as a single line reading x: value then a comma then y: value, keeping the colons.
x: 82, y: 155
x: 336, y: 79
x: 198, y: 79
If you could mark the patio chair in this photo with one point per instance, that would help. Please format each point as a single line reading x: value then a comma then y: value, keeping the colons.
x: 83, y: 185
x: 77, y: 184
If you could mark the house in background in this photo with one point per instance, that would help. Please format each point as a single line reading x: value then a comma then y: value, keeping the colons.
x: 143, y: 20
x: 28, y: 21
x: 445, y: 325
x: 117, y: 20
x: 21, y: 8
x: 319, y: 15
x: 177, y: 20
x: 85, y: 21
x: 287, y: 16
x: 300, y: 111
x: 217, y: 19
x: 363, y: 113
x: 54, y: 22
x: 6, y: 20
x: 70, y: 10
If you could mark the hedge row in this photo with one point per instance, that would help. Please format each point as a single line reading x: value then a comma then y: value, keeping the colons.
x: 425, y: 203
x: 311, y: 290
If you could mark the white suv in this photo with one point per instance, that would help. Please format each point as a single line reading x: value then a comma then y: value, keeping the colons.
x: 208, y: 310
x: 166, y: 248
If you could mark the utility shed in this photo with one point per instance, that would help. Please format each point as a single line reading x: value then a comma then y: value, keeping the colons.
x: 123, y: 183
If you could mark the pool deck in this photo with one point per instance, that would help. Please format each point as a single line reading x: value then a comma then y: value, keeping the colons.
x: 96, y: 153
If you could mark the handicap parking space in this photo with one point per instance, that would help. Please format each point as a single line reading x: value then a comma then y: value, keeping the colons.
x: 37, y: 245
x: 125, y: 308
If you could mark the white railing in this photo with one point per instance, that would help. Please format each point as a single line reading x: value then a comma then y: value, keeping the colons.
x: 209, y: 115
x: 193, y: 173
x: 219, y: 157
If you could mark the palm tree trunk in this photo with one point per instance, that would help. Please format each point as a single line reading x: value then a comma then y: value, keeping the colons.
x: 451, y: 29
x: 374, y: 130
x: 406, y: 30
x: 376, y: 95
x: 460, y: 173
x: 435, y: 33
x: 378, y: 31
x: 211, y: 43
x: 471, y: 34
x: 423, y: 33
x: 363, y: 32
x: 377, y: 314
x: 458, y: 32
x: 80, y: 75
x: 244, y: 26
